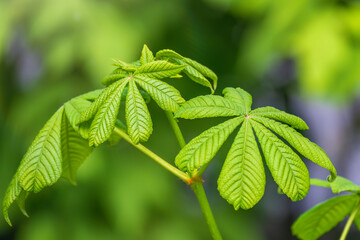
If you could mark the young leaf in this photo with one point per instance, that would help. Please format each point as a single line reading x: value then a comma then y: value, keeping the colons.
x: 340, y: 184
x: 159, y: 69
x: 146, y: 55
x: 241, y: 98
x: 74, y: 149
x: 282, y: 116
x: 200, y: 150
x: 207, y: 106
x: 138, y: 118
x: 94, y: 107
x: 195, y: 75
x: 108, y: 80
x: 242, y: 178
x: 303, y: 145
x: 287, y: 169
x: 167, y: 53
x: 91, y: 96
x: 12, y: 193
x: 166, y: 96
x: 323, y: 217
x: 206, y: 72
x: 42, y: 164
x: 104, y: 120
x: 125, y: 66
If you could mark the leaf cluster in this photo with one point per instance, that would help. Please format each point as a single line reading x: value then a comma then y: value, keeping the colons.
x: 324, y: 216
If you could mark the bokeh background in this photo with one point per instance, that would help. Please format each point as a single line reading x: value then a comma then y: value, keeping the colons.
x: 302, y: 56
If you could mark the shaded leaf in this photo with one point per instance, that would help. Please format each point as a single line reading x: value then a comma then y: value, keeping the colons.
x: 323, y: 217
x: 201, y: 149
x: 42, y: 164
x: 12, y: 193
x: 159, y: 69
x: 74, y: 149
x: 165, y: 95
x: 303, y: 145
x: 207, y: 106
x: 205, y: 71
x: 242, y: 178
x: 282, y: 116
x: 104, y: 120
x: 241, y: 98
x: 138, y: 118
x: 287, y: 169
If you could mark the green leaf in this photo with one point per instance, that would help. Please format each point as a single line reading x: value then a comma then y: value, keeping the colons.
x: 91, y: 96
x: 159, y: 69
x: 205, y: 71
x: 146, y: 55
x: 125, y: 66
x: 340, y: 184
x: 282, y: 116
x: 241, y: 98
x: 195, y: 75
x: 287, y: 169
x: 207, y: 106
x: 200, y: 150
x: 303, y: 145
x: 138, y: 118
x: 323, y: 217
x: 94, y: 107
x: 12, y: 193
x: 167, y: 53
x: 105, y: 118
x: 74, y: 149
x: 166, y: 96
x: 242, y: 178
x: 357, y: 221
x: 108, y: 80
x: 42, y: 164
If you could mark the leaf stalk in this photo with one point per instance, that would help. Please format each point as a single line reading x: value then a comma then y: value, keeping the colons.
x: 350, y: 221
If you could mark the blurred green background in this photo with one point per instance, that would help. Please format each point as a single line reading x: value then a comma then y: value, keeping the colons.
x: 302, y: 56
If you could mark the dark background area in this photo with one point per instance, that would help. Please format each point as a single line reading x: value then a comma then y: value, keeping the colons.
x: 301, y: 56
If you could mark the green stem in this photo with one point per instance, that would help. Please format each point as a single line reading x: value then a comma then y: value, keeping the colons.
x: 176, y: 129
x: 205, y: 207
x: 183, y: 176
x: 350, y: 221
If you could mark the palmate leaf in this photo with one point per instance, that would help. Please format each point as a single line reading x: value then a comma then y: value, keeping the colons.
x: 207, y: 106
x: 166, y: 96
x: 241, y: 181
x: 287, y: 169
x: 105, y: 118
x: 42, y: 164
x: 242, y: 178
x: 323, y: 217
x: 74, y: 150
x: 138, y: 118
x: 200, y: 150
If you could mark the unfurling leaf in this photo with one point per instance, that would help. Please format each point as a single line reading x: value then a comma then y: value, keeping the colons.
x: 339, y: 185
x: 323, y: 217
